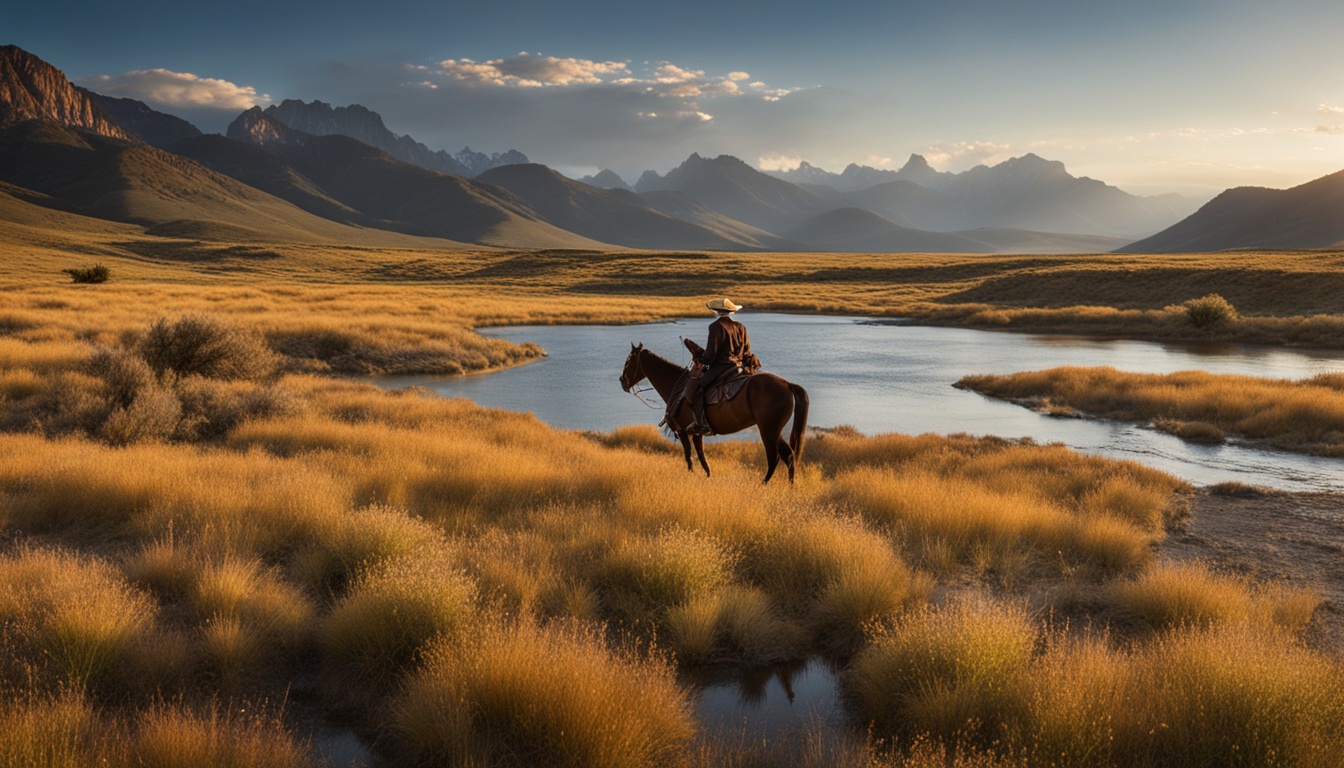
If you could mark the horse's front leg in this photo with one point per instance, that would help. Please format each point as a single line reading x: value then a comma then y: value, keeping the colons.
x: 700, y: 452
x: 686, y: 449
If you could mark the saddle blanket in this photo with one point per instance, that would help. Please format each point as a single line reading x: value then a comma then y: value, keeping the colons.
x: 726, y: 388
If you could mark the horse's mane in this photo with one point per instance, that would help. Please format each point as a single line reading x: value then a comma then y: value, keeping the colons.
x: 663, y: 360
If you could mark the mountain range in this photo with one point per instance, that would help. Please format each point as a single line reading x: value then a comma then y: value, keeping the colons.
x: 310, y: 171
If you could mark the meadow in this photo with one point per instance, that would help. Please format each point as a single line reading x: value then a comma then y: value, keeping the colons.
x: 210, y: 538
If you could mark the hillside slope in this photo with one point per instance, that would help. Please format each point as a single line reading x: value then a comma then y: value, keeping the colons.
x: 1307, y: 216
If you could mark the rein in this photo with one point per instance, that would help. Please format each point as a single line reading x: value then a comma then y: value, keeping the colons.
x: 638, y: 392
x: 639, y: 395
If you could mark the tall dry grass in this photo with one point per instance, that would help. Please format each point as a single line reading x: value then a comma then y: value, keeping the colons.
x: 554, y: 696
x: 412, y: 553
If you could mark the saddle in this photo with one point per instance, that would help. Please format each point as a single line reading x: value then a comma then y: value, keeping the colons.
x: 726, y: 388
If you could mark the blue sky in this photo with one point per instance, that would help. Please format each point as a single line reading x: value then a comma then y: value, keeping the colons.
x: 1151, y: 95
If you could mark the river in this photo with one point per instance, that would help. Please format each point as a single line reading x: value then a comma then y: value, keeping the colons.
x: 888, y: 376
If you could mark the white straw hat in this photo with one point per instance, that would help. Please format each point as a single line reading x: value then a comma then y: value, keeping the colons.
x: 723, y: 305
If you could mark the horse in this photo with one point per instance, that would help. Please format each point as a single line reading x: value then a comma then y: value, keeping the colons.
x: 766, y: 402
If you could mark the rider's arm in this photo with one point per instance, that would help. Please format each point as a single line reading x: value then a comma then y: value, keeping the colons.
x: 717, y: 337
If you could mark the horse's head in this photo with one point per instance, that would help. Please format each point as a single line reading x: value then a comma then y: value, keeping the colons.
x: 631, y: 373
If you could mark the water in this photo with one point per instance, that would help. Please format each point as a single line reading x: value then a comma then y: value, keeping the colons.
x: 890, y: 377
x: 767, y: 701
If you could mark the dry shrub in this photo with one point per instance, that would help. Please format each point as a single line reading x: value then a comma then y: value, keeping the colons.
x: 153, y: 416
x: 62, y: 730
x: 195, y: 345
x: 1209, y: 311
x: 1072, y: 702
x: 735, y: 625
x: 211, y: 408
x: 671, y: 568
x: 68, y: 618
x: 834, y: 572
x: 552, y: 696
x: 1231, y: 696
x: 244, y: 589
x: 390, y: 612
x: 360, y: 541
x: 179, y: 737
x: 946, y: 672
x: 1188, y: 594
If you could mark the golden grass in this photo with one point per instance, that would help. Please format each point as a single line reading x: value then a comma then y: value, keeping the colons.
x: 551, y: 696
x: 440, y: 553
x: 1306, y: 415
x: 1174, y: 595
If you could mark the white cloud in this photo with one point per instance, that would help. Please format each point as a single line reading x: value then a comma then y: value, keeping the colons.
x: 528, y: 70
x: 1335, y: 115
x: 778, y: 162
x: 670, y: 73
x: 964, y: 154
x: 177, y: 89
x: 662, y: 78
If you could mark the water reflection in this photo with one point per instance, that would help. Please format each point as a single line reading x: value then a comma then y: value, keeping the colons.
x: 767, y: 701
x: 882, y: 376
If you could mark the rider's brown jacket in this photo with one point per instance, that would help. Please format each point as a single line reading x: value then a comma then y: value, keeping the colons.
x: 727, y: 342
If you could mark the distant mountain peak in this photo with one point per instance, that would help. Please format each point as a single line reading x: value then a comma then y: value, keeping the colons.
x: 363, y: 124
x: 916, y: 163
x: 32, y: 89
x: 256, y: 126
x: 605, y: 179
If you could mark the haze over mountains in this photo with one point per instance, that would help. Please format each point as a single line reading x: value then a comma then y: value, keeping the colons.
x: 308, y: 170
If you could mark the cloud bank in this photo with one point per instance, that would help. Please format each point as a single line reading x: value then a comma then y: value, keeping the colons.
x: 182, y: 90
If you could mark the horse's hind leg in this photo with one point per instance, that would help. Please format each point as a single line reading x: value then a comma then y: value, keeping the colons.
x: 771, y: 455
x: 700, y: 453
x: 786, y: 455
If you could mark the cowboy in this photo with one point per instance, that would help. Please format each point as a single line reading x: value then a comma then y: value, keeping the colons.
x: 725, y: 351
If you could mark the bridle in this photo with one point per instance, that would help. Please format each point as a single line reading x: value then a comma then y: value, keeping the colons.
x: 629, y: 386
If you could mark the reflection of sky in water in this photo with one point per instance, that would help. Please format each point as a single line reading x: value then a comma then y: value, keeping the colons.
x: 884, y: 377
x: 763, y: 702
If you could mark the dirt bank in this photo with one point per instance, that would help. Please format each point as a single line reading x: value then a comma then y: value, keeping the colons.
x: 1293, y: 537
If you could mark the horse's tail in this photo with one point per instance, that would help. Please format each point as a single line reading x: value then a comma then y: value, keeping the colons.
x: 800, y: 405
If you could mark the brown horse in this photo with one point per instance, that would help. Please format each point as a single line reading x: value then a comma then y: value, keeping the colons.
x: 766, y: 402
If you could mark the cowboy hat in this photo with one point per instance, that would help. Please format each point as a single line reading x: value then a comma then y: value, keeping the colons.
x: 723, y: 305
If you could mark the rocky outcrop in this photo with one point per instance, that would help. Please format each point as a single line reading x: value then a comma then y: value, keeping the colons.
x: 256, y: 127
x: 31, y: 89
x: 155, y: 128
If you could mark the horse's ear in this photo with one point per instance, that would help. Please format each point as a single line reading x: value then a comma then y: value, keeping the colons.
x: 632, y: 346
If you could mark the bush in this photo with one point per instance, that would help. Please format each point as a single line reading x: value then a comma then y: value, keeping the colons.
x: 1209, y: 311
x: 95, y: 274
x: 201, y: 346
x: 552, y: 696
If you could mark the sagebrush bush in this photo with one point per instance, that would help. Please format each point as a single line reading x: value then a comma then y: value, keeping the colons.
x: 1209, y: 311
x: 98, y: 273
x: 203, y: 346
